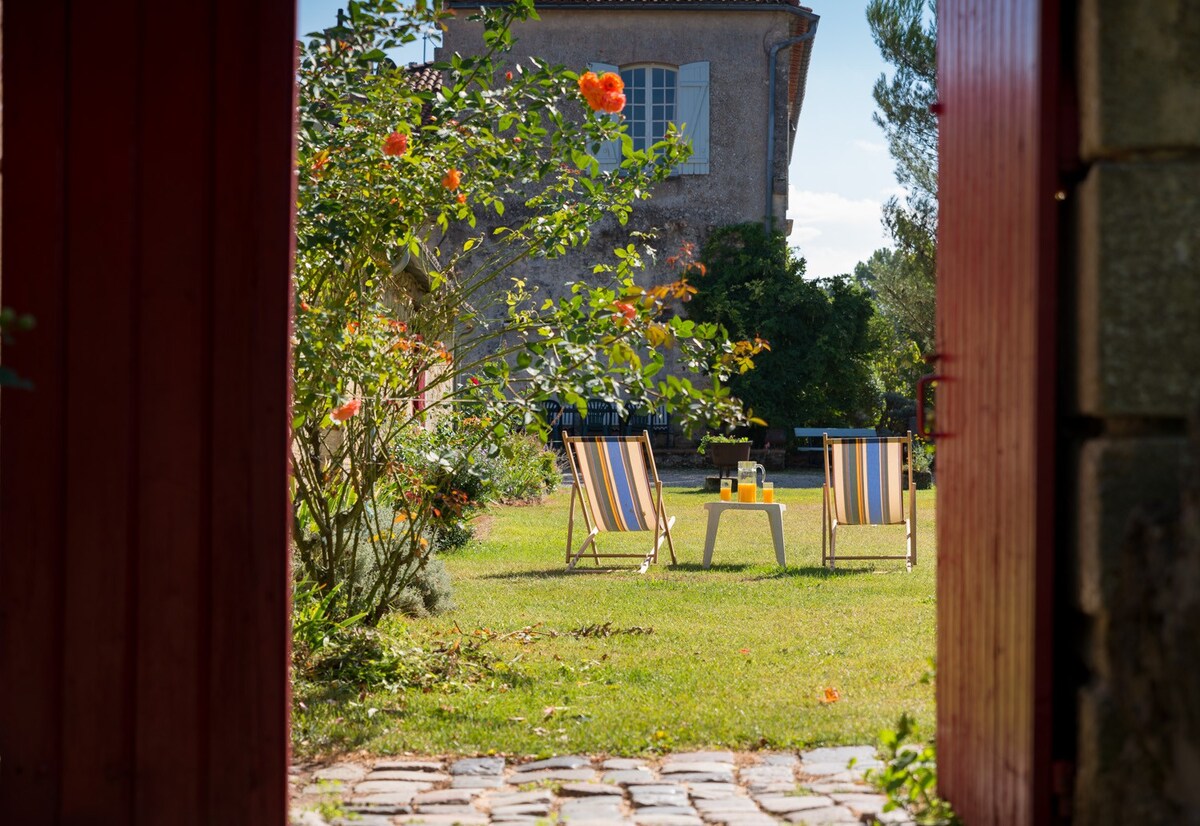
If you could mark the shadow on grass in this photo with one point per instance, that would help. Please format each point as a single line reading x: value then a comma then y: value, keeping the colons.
x: 561, y: 573
x: 810, y: 571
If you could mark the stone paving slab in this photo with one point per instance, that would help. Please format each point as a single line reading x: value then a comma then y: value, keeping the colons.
x: 391, y: 787
x: 644, y: 819
x: 445, y: 820
x: 409, y: 775
x: 703, y: 777
x: 702, y: 756
x: 469, y: 781
x: 522, y: 809
x: 345, y: 772
x: 551, y: 774
x: 784, y: 804
x: 411, y: 765
x: 627, y: 776
x: 712, y: 791
x: 618, y: 763
x: 590, y: 789
x: 821, y: 817
x: 478, y: 765
x: 572, y: 762
x: 717, y: 788
x: 495, y: 801
x: 446, y: 796
x: 835, y: 760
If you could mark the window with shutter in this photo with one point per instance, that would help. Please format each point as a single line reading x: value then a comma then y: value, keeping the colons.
x: 657, y: 96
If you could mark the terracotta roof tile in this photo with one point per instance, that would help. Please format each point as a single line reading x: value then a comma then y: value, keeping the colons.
x: 423, y: 77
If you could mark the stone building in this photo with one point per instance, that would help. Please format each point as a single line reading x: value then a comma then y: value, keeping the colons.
x: 733, y: 72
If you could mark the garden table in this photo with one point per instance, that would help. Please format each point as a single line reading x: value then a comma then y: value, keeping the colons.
x: 774, y: 511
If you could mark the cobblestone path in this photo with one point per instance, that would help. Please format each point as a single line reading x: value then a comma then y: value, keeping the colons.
x: 716, y: 788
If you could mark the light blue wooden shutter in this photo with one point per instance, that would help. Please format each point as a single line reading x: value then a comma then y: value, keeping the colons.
x: 609, y: 154
x: 692, y: 112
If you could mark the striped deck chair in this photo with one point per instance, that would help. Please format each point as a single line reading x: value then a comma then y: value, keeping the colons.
x: 864, y: 485
x: 617, y: 485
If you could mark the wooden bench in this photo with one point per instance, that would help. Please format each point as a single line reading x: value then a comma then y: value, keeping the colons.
x: 811, y: 439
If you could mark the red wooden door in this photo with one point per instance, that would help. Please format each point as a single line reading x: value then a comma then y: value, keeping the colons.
x: 999, y: 76
x: 147, y: 197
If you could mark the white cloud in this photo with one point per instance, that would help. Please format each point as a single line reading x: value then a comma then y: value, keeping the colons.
x: 869, y: 146
x: 848, y: 229
x: 802, y: 235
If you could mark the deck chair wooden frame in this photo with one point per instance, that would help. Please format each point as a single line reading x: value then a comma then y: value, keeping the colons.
x: 616, y: 484
x: 864, y: 483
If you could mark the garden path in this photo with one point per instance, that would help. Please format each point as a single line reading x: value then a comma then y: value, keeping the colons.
x: 715, y: 788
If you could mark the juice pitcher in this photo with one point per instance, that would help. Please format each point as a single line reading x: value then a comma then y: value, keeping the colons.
x: 747, y: 476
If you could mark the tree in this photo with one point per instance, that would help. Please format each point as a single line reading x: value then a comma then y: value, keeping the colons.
x: 904, y: 280
x: 385, y: 172
x: 822, y: 342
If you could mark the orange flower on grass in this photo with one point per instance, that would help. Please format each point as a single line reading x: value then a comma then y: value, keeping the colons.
x: 452, y: 179
x: 347, y: 411
x: 396, y: 144
x: 831, y: 696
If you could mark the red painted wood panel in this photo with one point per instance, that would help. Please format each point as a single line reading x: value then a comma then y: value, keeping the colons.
x: 32, y: 425
x: 100, y: 421
x: 995, y: 405
x: 148, y: 192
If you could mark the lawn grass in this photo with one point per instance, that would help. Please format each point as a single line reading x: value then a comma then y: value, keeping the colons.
x: 739, y: 656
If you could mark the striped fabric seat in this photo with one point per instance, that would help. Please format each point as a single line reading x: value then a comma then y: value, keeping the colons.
x: 617, y: 485
x: 868, y: 471
x: 864, y: 485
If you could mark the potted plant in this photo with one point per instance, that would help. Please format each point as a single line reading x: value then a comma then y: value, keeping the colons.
x: 921, y: 466
x: 725, y: 451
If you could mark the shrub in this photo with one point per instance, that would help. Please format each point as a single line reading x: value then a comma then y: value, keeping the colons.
x: 400, y: 298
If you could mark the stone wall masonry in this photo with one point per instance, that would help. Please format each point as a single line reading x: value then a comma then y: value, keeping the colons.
x: 1135, y: 369
x: 1139, y: 75
x: 1139, y: 714
x: 1139, y: 289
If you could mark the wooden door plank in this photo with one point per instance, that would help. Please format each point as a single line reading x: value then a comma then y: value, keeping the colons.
x: 251, y: 293
x: 32, y: 447
x: 101, y: 418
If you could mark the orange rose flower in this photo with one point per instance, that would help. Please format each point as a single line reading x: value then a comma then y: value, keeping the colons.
x: 612, y: 102
x: 611, y: 82
x: 396, y: 144
x: 589, y: 83
x: 452, y: 180
x: 462, y: 199
x: 346, y: 411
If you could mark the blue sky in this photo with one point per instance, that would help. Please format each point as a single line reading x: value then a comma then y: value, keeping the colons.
x: 841, y: 172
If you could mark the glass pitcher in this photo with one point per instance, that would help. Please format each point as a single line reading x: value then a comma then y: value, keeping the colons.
x: 747, y: 476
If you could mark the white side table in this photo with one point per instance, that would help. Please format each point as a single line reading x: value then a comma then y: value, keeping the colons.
x: 774, y: 511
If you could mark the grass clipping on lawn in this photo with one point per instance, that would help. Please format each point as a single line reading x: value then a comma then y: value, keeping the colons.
x: 541, y: 661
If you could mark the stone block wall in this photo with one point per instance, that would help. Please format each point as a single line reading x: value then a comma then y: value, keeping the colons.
x: 1135, y: 371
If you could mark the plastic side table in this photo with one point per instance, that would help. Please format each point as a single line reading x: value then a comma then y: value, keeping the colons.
x: 774, y: 511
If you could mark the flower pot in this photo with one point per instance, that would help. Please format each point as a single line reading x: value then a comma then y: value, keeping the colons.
x: 726, y: 455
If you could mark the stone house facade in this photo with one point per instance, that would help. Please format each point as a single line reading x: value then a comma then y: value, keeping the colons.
x: 707, y: 65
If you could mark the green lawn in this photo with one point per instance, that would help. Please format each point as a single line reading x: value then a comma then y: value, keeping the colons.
x: 739, y: 656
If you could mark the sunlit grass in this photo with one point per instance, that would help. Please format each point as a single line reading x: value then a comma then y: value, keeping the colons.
x: 739, y: 656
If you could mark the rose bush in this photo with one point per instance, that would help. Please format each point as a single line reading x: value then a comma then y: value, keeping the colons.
x: 404, y: 309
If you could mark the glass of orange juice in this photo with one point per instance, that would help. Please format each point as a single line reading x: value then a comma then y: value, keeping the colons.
x: 746, y: 491
x: 768, y: 489
x: 726, y: 490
